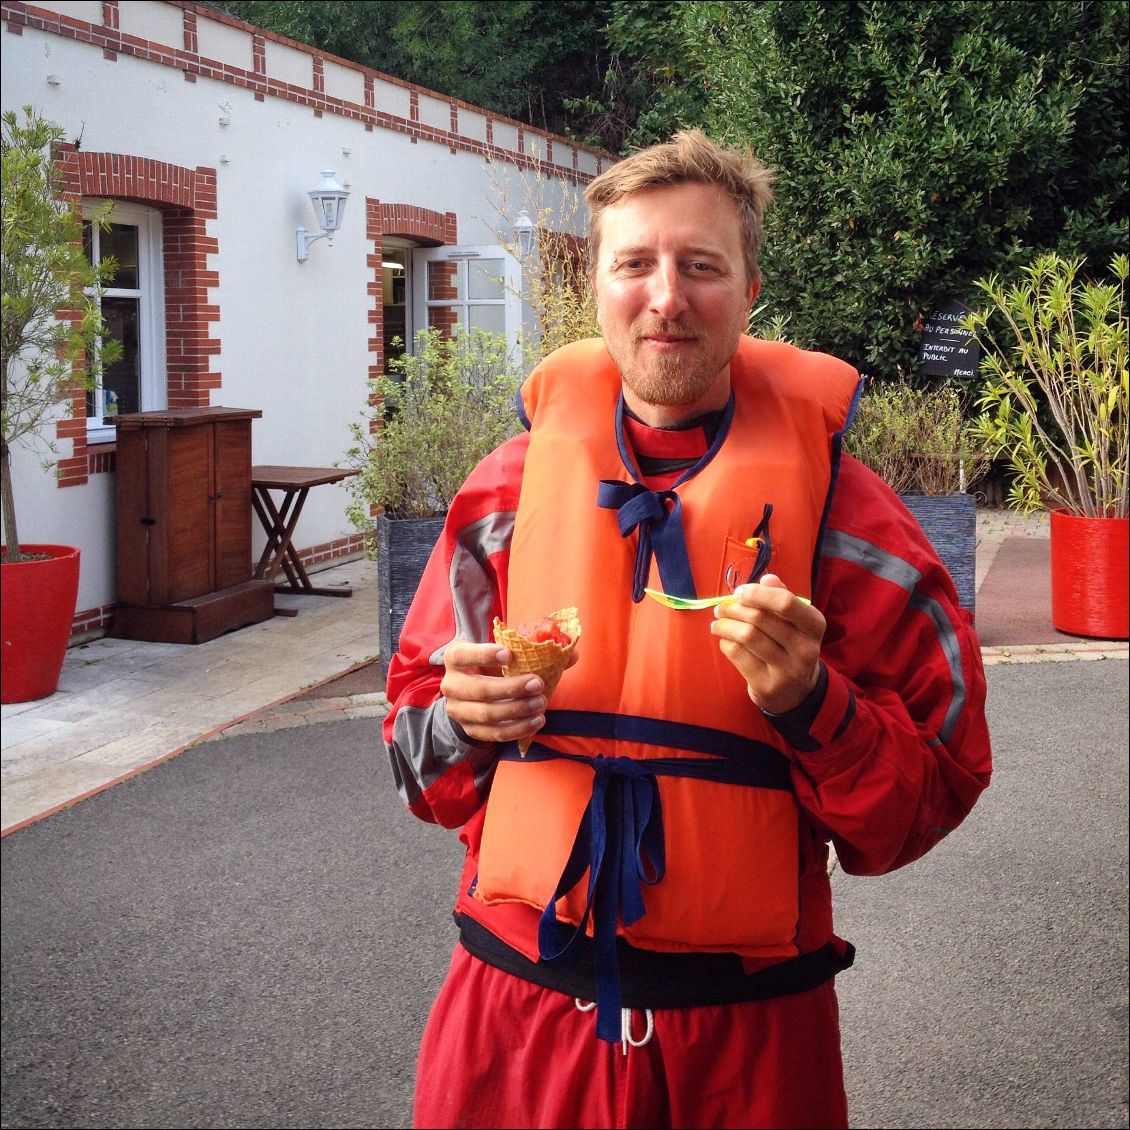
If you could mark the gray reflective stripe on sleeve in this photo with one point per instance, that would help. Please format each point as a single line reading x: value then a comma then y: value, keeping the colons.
x: 870, y: 557
x: 472, y: 587
x: 424, y: 746
x: 886, y: 565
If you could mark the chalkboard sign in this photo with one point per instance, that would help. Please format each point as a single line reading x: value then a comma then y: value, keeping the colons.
x: 947, y: 350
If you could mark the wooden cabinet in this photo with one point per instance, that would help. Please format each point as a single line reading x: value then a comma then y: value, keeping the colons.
x: 184, y: 526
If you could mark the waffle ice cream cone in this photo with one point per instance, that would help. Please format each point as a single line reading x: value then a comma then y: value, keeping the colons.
x: 547, y: 658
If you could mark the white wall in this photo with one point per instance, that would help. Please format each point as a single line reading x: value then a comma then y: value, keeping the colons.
x: 294, y: 336
x: 82, y: 516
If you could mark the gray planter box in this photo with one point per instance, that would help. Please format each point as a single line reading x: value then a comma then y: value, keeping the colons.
x: 950, y: 522
x: 403, y: 548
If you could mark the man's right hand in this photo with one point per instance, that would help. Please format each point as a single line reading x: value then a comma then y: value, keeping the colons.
x: 487, y: 705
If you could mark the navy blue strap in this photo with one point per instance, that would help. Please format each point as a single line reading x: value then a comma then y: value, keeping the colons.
x: 620, y: 843
x: 660, y: 532
x: 764, y: 765
x: 765, y: 545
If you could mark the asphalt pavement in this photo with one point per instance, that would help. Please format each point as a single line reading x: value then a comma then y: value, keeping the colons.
x: 250, y: 934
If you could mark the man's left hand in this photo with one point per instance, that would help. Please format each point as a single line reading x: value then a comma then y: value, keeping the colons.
x: 773, y: 638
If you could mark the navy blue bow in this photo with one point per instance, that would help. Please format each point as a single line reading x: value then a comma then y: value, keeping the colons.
x: 660, y: 533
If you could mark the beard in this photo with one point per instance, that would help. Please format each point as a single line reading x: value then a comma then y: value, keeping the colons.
x: 673, y: 381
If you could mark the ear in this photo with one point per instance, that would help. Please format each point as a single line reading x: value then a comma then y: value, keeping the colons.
x: 754, y: 291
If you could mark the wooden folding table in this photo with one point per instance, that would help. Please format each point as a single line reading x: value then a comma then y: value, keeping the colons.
x: 279, y: 522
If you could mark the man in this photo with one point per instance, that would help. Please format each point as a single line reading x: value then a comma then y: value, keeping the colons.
x: 660, y: 855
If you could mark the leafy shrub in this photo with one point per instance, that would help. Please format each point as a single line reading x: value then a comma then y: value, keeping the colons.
x: 917, y: 439
x: 444, y: 408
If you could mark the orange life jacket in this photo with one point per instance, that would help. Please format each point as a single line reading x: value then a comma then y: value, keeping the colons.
x: 653, y: 724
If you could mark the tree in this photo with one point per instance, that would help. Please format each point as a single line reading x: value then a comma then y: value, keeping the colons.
x: 654, y: 84
x: 918, y: 148
x: 50, y: 325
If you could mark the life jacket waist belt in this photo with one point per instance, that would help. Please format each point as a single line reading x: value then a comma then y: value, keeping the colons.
x: 653, y: 979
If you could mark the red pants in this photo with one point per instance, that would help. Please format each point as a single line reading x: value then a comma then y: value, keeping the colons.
x: 501, y: 1052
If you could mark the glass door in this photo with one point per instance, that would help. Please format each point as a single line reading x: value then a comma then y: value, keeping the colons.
x: 395, y: 291
x: 477, y: 288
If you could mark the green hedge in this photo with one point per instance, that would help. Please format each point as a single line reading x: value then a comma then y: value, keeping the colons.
x: 918, y: 147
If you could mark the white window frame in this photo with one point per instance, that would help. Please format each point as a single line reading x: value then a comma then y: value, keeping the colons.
x: 150, y: 292
x: 511, y: 299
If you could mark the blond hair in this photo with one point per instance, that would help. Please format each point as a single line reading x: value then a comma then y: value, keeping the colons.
x: 689, y: 157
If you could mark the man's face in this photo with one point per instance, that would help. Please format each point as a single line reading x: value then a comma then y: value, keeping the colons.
x: 672, y: 298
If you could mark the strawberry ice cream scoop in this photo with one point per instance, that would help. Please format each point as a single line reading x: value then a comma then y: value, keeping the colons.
x: 540, y: 647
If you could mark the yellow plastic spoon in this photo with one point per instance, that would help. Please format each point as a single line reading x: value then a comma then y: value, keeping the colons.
x: 689, y: 604
x: 686, y: 603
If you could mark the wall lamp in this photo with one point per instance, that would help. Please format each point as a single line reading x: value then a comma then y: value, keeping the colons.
x: 524, y: 230
x: 328, y: 200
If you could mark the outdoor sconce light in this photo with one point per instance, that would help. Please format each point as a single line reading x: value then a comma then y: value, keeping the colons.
x: 329, y: 206
x: 524, y: 230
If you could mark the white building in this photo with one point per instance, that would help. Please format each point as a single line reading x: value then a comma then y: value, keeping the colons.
x: 208, y: 134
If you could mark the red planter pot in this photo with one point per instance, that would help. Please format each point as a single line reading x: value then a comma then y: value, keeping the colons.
x: 1090, y: 579
x: 37, y: 608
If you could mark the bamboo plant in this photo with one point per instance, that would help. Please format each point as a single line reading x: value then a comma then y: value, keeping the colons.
x: 1055, y: 401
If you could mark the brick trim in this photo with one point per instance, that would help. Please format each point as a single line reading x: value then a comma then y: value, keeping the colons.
x: 191, y: 34
x: 148, y: 182
x: 93, y: 623
x: 424, y: 225
x: 315, y: 555
x: 187, y: 201
x: 18, y: 14
x: 111, y: 18
x: 374, y: 233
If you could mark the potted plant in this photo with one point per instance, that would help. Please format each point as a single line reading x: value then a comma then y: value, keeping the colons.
x: 1055, y: 405
x: 443, y: 408
x: 919, y: 441
x: 50, y: 329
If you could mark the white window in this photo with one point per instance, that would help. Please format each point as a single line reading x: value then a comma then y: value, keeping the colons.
x: 133, y: 308
x: 478, y: 288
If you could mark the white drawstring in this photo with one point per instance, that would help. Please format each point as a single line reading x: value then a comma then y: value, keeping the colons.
x: 626, y: 1038
x: 626, y: 1029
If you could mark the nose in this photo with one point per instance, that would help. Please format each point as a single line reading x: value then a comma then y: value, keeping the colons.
x: 667, y: 298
